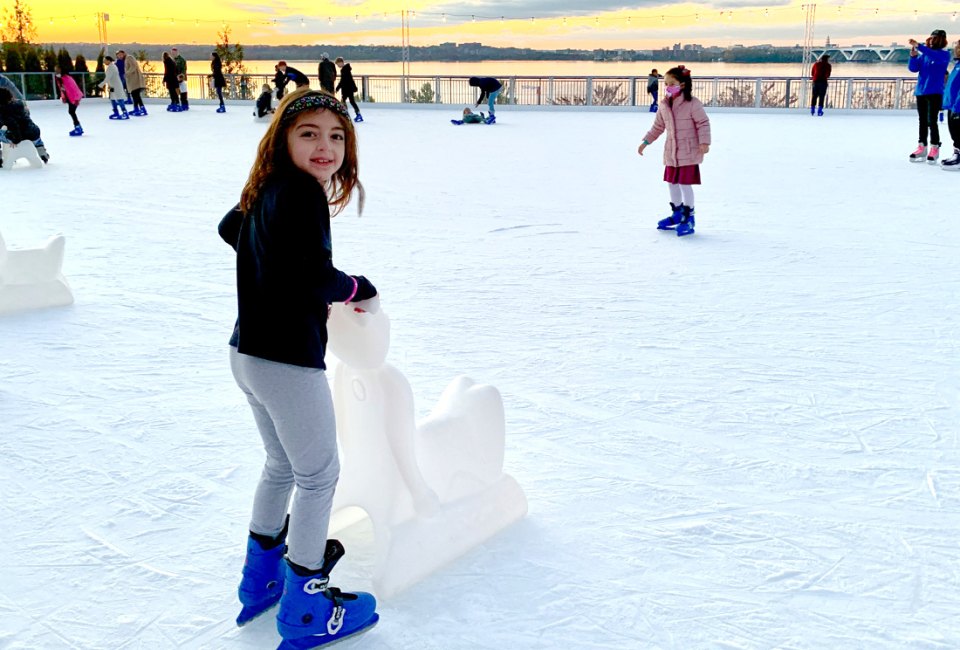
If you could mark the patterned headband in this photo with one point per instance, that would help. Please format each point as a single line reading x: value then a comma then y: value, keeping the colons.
x: 313, y: 101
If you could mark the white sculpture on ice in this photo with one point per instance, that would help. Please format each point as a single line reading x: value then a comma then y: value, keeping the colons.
x: 26, y: 150
x: 433, y: 489
x: 30, y: 279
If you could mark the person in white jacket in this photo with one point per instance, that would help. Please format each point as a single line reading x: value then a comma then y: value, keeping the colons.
x: 118, y: 96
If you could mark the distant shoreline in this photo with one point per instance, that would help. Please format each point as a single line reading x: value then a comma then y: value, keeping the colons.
x: 452, y: 53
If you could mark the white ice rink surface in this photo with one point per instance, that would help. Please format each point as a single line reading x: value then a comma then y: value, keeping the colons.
x: 747, y: 438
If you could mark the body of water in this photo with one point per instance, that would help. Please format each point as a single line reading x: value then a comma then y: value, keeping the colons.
x: 574, y: 68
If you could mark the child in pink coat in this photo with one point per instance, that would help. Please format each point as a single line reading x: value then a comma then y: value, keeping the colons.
x: 70, y: 95
x: 682, y: 116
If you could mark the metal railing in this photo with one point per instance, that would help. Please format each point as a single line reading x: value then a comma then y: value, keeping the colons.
x: 738, y: 92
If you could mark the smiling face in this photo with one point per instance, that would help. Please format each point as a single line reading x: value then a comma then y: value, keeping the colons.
x: 317, y: 142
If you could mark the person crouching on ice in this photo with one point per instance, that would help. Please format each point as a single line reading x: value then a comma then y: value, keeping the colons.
x: 17, y: 125
x: 264, y: 101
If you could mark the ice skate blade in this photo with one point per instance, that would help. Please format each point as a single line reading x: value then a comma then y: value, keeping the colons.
x: 307, y: 642
x: 248, y: 613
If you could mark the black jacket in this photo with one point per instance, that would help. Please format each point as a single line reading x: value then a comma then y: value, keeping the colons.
x: 280, y: 80
x: 264, y: 102
x: 297, y: 77
x: 170, y: 72
x: 20, y: 127
x: 486, y: 85
x: 327, y: 73
x: 347, y: 85
x: 285, y: 272
x: 216, y: 66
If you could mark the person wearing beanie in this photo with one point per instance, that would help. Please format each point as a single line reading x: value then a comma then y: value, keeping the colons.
x: 327, y: 72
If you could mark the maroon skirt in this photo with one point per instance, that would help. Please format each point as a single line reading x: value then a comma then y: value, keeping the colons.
x: 686, y: 175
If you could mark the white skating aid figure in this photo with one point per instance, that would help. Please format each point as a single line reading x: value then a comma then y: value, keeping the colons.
x: 433, y: 489
x: 26, y: 150
x: 31, y: 279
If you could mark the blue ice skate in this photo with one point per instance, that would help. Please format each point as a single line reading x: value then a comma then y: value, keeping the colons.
x: 262, y: 582
x: 77, y: 131
x: 687, y: 222
x: 313, y: 614
x: 457, y: 122
x: 222, y: 109
x: 491, y: 120
x: 358, y: 118
x: 671, y: 222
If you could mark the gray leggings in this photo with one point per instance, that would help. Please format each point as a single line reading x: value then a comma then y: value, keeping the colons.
x: 294, y: 413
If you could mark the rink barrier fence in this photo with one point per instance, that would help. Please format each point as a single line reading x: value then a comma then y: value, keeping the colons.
x: 738, y: 92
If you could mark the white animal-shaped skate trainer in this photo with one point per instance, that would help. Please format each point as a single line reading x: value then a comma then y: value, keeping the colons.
x: 30, y: 279
x: 433, y: 489
x: 26, y: 150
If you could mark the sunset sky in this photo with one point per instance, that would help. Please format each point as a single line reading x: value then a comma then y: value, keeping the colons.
x: 545, y: 24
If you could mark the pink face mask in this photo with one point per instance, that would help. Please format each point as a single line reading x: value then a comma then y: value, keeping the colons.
x: 673, y: 91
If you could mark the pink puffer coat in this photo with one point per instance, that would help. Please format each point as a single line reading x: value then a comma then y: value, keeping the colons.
x: 687, y: 127
x: 69, y: 90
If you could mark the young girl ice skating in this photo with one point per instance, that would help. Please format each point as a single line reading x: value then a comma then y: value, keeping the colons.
x: 682, y: 116
x: 306, y: 162
x: 70, y: 95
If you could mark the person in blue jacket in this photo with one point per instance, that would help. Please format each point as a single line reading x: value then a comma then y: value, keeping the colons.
x: 930, y: 61
x: 951, y: 102
x: 490, y: 88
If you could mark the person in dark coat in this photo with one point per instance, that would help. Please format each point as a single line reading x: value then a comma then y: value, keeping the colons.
x: 348, y: 87
x: 490, y: 88
x: 653, y: 89
x: 292, y: 74
x: 279, y: 81
x: 219, y: 82
x: 171, y: 82
x: 327, y: 72
x: 16, y: 125
x: 264, y: 102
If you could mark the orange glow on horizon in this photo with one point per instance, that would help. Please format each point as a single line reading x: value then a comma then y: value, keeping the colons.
x: 377, y: 22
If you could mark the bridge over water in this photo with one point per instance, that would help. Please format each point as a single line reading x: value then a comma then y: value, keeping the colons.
x: 864, y: 53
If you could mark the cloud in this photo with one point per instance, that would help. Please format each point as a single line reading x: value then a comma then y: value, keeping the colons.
x: 542, y: 8
x: 745, y: 4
